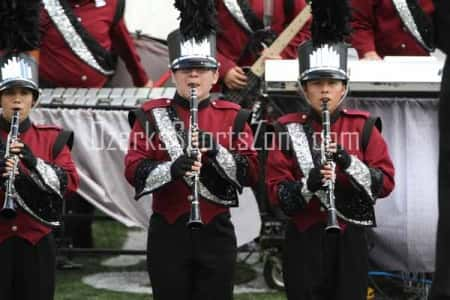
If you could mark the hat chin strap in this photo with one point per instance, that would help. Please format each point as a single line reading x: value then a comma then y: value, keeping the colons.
x: 37, y: 100
x: 302, y: 90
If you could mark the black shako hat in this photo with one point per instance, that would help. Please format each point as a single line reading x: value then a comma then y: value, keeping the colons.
x: 193, y: 45
x: 18, y: 70
x: 325, y: 55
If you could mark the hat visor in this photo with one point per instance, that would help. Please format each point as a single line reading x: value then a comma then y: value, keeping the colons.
x: 191, y: 63
x: 324, y: 74
x: 21, y: 83
x: 9, y: 84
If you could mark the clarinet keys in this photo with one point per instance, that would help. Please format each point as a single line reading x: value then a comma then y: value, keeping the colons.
x: 8, y: 210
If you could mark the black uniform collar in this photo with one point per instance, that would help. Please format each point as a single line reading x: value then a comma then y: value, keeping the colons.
x: 177, y: 99
x: 6, y: 125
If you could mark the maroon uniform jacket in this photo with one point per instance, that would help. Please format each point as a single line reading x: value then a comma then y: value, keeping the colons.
x: 283, y: 168
x: 148, y: 161
x: 40, y: 139
x: 232, y: 37
x: 59, y: 65
x: 378, y: 27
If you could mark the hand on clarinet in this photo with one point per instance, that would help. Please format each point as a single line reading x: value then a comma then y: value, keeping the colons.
x: 340, y: 155
x: 25, y: 154
x: 186, y: 165
x: 205, y: 142
x: 318, y: 177
x: 197, y: 163
x: 8, y: 166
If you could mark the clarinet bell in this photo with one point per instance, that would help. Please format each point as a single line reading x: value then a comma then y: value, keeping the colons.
x: 195, y: 221
x: 332, y: 223
x: 195, y: 224
x: 8, y: 210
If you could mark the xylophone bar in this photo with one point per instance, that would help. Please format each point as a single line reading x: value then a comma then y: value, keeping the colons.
x: 104, y: 98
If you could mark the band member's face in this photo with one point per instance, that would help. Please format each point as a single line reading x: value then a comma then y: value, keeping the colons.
x: 317, y: 90
x: 203, y: 79
x: 16, y: 99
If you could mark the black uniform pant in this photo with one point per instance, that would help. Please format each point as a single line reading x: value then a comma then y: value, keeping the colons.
x: 322, y: 266
x: 27, y: 272
x: 440, y: 289
x: 186, y: 264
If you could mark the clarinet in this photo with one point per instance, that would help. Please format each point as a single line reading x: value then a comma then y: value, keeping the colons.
x: 8, y: 210
x: 195, y: 220
x: 327, y: 158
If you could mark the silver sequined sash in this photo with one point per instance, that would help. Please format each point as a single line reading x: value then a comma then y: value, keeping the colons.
x: 302, y: 152
x: 236, y: 11
x: 408, y: 20
x: 301, y: 147
x: 73, y: 39
x: 169, y: 138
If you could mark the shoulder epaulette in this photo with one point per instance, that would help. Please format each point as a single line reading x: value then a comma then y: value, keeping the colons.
x: 47, y: 127
x: 156, y: 103
x: 224, y: 104
x: 293, y: 118
x: 356, y: 113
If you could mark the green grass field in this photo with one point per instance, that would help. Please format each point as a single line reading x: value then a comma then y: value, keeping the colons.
x: 69, y: 285
x: 111, y: 234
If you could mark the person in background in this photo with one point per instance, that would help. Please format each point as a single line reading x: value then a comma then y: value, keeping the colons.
x: 389, y: 28
x: 244, y: 32
x: 80, y: 42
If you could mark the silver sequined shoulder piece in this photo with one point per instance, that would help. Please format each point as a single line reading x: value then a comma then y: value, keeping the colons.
x: 228, y: 164
x: 49, y: 176
x: 361, y: 173
x: 158, y: 177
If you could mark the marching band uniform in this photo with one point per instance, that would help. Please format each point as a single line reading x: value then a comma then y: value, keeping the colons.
x: 79, y: 41
x: 201, y: 260
x: 440, y: 289
x: 169, y: 197
x: 319, y: 263
x: 27, y: 246
x: 307, y: 244
x: 46, y: 172
x: 212, y: 249
x: 390, y: 28
x: 41, y: 140
x: 236, y: 32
